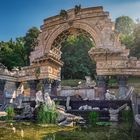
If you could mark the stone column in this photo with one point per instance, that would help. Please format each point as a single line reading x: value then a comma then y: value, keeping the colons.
x: 46, y: 85
x: 33, y: 87
x: 2, y: 85
x: 102, y: 82
x: 54, y: 87
x: 122, y: 81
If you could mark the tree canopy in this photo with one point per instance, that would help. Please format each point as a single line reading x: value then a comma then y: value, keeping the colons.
x: 124, y: 25
x: 16, y: 53
x: 77, y: 63
x: 135, y: 49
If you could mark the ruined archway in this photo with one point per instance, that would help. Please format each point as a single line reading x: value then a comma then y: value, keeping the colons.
x: 75, y: 28
x: 110, y: 56
x: 76, y: 66
x: 92, y: 22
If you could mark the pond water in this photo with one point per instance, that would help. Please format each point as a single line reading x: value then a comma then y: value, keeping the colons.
x: 28, y: 131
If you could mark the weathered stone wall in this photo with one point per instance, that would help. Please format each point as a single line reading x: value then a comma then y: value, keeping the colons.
x: 110, y: 56
x: 85, y: 93
x: 10, y: 91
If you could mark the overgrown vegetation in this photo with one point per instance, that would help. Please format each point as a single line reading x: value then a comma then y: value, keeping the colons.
x: 63, y: 14
x: 129, y: 34
x: 127, y: 115
x: 72, y: 82
x: 46, y: 115
x: 93, y: 118
x: 10, y: 113
x: 16, y: 53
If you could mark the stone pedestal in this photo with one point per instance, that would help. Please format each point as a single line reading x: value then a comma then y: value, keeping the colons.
x: 2, y: 85
x: 33, y: 87
x: 122, y: 81
x: 102, y: 86
x: 54, y: 87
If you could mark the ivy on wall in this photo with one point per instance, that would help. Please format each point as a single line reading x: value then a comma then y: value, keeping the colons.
x: 37, y: 72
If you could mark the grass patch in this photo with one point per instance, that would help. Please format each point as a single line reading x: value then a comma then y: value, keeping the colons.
x: 134, y: 80
x: 72, y: 82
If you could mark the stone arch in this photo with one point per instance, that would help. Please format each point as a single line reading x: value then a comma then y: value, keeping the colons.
x: 93, y: 32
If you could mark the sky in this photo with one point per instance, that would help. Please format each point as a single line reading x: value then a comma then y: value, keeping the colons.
x: 17, y: 16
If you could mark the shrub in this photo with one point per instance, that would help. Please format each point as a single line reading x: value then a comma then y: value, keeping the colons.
x: 46, y: 114
x: 127, y: 115
x: 93, y: 117
x: 10, y: 113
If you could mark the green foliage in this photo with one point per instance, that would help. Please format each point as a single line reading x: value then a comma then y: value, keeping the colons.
x: 77, y: 9
x: 130, y: 34
x: 124, y: 25
x: 46, y: 115
x: 127, y: 115
x: 72, y: 82
x: 12, y: 53
x: 135, y: 50
x: 104, y: 123
x: 112, y: 82
x: 77, y: 63
x: 133, y: 80
x: 31, y: 41
x: 37, y: 72
x: 3, y: 118
x: 127, y: 40
x: 63, y: 14
x: 39, y: 86
x: 93, y: 118
x: 10, y: 113
x: 16, y: 53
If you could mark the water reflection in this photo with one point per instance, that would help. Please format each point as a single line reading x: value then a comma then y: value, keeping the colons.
x: 50, y: 137
x: 113, y: 132
x: 123, y: 131
x: 22, y: 133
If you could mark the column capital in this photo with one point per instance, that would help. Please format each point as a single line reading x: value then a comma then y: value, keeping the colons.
x: 122, y: 80
x: 56, y: 83
x: 102, y: 80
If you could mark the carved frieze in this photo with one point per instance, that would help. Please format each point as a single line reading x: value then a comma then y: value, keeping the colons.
x: 111, y: 64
